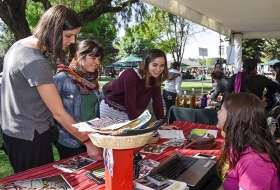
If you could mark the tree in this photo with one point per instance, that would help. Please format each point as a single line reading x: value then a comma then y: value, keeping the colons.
x: 13, y: 12
x: 170, y: 32
x: 6, y: 38
x: 252, y: 48
x: 271, y: 49
x: 134, y: 43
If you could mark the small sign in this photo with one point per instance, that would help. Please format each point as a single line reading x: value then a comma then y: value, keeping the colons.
x: 203, y: 51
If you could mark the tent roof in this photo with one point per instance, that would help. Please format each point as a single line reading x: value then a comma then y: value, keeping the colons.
x: 271, y: 63
x: 254, y: 19
x: 130, y: 59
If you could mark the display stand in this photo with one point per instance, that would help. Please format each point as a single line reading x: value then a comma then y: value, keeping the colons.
x: 123, y: 157
x: 119, y: 155
x: 122, y: 171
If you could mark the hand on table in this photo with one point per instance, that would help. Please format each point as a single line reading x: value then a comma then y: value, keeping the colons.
x: 168, y: 127
x: 93, y: 151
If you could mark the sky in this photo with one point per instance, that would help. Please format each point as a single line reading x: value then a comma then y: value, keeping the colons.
x: 208, y: 39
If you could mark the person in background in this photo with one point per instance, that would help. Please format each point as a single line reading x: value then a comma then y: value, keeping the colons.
x: 217, y: 67
x: 276, y: 68
x: 249, y: 81
x: 129, y: 95
x: 30, y: 99
x: 221, y: 79
x: 78, y: 88
x: 249, y: 158
x: 120, y: 72
x: 172, y: 85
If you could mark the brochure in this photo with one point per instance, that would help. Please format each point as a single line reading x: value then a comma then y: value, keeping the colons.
x: 171, y: 134
x: 144, y: 184
x: 107, y: 125
x: 56, y: 182
x: 204, y: 132
x: 153, y: 148
x: 74, y: 164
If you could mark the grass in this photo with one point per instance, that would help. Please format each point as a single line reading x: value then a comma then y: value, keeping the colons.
x: 187, y: 85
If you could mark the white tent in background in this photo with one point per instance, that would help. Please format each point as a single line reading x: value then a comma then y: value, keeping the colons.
x: 185, y: 61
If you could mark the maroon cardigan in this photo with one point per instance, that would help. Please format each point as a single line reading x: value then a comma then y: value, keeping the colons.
x: 129, y: 94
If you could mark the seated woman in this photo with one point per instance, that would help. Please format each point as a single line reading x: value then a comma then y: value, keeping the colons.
x: 249, y: 158
x: 221, y: 79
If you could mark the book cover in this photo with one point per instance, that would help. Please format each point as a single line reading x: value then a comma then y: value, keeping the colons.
x: 74, y: 164
x: 56, y: 182
x: 204, y: 132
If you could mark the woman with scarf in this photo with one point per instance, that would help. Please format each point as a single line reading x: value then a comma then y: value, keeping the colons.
x: 79, y: 91
x: 249, y: 81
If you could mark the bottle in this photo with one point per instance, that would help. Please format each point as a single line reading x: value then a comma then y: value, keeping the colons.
x: 204, y: 101
x: 177, y: 100
x: 192, y: 99
x: 185, y: 100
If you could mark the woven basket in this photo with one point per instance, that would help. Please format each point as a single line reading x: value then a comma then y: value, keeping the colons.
x: 119, y: 142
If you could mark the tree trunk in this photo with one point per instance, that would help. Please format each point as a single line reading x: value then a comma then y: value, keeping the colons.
x: 12, y: 12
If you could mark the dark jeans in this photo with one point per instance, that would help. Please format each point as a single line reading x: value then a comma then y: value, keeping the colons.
x: 65, y: 152
x: 169, y: 99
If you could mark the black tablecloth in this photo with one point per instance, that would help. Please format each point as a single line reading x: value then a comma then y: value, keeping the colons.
x: 203, y: 116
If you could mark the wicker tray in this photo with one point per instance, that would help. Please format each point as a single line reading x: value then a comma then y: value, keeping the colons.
x: 119, y: 142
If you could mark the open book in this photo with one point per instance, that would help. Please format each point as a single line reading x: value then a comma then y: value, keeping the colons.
x: 52, y: 182
x: 107, y: 125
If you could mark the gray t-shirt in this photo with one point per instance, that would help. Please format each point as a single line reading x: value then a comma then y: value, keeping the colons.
x: 23, y: 110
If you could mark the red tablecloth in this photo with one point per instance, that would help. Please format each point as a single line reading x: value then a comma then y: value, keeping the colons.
x: 79, y: 181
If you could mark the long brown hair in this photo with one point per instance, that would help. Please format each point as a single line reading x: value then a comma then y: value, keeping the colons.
x: 49, y: 29
x: 246, y: 126
x: 144, y: 67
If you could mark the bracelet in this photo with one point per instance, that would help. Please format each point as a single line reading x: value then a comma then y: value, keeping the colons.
x: 86, y: 141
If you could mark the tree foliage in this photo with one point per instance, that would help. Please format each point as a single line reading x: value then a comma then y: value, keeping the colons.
x: 271, y: 49
x: 162, y: 30
x: 252, y: 48
x: 134, y: 42
x: 13, y: 13
x: 100, y: 18
x: 6, y: 38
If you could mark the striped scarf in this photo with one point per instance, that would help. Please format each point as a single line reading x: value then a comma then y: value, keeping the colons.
x: 86, y: 82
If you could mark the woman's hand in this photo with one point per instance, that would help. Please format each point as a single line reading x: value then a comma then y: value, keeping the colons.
x: 168, y: 127
x: 93, y: 151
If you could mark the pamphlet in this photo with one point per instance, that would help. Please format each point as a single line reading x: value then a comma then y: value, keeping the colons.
x: 52, y: 182
x: 107, y: 125
x: 144, y: 184
x: 204, y: 132
x: 147, y: 165
x: 153, y: 148
x: 175, y: 142
x: 171, y: 134
x: 74, y: 164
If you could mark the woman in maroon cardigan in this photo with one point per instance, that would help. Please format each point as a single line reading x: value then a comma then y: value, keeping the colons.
x: 129, y: 96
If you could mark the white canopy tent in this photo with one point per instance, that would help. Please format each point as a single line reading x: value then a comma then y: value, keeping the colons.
x: 185, y: 61
x: 238, y: 19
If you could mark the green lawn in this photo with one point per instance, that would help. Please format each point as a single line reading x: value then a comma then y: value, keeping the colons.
x: 5, y: 166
